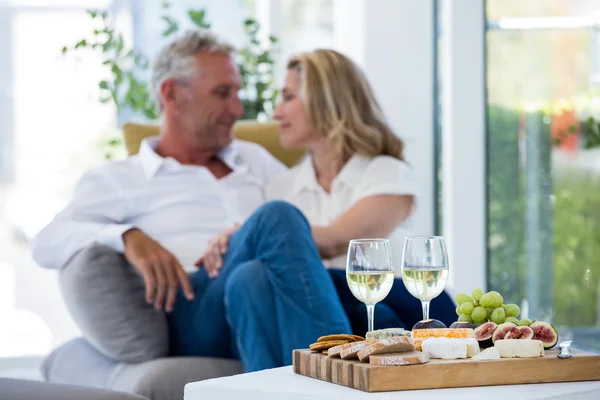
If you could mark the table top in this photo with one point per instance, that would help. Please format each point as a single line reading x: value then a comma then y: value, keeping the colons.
x: 283, y: 383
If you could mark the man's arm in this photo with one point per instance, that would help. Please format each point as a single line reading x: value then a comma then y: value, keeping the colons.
x: 95, y: 215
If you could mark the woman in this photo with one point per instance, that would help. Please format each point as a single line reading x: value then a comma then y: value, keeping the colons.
x: 354, y: 183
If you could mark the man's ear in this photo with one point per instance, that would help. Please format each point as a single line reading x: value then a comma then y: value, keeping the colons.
x: 171, y: 94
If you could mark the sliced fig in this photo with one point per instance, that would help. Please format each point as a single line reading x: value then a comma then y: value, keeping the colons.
x: 460, y: 324
x: 483, y: 334
x: 429, y: 324
x: 502, y: 330
x: 545, y: 332
x: 520, y: 332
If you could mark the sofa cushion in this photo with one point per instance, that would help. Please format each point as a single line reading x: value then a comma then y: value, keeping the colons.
x: 20, y: 389
x: 264, y: 133
x: 161, y: 379
x: 105, y: 296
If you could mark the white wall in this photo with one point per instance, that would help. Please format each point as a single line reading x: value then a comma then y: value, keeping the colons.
x: 392, y: 40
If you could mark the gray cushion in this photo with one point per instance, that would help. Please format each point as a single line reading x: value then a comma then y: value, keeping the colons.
x: 161, y: 379
x: 105, y: 296
x: 20, y: 389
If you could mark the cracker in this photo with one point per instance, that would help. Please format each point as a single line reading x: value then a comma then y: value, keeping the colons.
x: 338, y: 336
x: 319, y: 346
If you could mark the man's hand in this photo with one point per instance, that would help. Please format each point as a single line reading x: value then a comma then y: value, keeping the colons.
x: 213, y: 256
x: 161, y: 271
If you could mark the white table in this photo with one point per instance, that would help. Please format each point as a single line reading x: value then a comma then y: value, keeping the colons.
x: 283, y: 384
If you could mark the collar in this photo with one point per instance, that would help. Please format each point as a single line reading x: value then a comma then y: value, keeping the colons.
x: 152, y: 162
x: 307, y: 180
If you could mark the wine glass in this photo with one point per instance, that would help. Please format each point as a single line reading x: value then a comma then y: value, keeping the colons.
x: 425, y: 268
x: 369, y: 272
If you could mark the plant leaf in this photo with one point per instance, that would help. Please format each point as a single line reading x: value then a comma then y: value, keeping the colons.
x: 198, y: 17
x: 172, y: 25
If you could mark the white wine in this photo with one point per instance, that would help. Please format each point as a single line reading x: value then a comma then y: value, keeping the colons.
x: 424, y: 283
x: 370, y: 287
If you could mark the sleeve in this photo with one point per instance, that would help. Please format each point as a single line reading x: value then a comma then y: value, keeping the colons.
x: 387, y: 175
x: 94, y: 215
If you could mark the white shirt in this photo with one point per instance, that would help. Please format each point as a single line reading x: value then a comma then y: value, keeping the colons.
x: 361, y: 177
x: 180, y: 206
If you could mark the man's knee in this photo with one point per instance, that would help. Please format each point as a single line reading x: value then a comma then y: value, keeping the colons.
x: 281, y: 209
x: 105, y: 296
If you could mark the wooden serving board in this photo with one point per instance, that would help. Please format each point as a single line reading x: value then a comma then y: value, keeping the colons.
x: 438, y: 374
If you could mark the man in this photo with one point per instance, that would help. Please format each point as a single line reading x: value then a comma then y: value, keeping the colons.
x: 161, y: 207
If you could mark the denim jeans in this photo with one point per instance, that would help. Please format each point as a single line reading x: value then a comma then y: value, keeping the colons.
x: 398, y: 310
x: 272, y: 295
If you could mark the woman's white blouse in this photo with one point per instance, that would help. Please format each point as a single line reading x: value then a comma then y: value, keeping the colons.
x: 361, y: 177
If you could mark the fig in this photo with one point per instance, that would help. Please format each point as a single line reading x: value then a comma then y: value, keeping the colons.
x: 519, y: 332
x: 429, y: 324
x: 483, y: 334
x: 545, y: 332
x: 460, y: 324
x: 502, y: 330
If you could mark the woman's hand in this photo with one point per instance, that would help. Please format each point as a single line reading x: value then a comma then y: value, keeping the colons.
x: 212, y: 259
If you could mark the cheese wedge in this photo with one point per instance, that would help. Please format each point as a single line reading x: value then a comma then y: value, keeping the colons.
x: 490, y: 353
x: 411, y: 358
x: 519, y: 348
x: 419, y: 335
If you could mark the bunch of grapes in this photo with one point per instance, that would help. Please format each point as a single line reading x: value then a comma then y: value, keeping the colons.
x: 482, y: 307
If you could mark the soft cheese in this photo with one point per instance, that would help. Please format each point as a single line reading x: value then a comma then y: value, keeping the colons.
x: 445, y: 348
x: 511, y: 348
x: 386, y: 333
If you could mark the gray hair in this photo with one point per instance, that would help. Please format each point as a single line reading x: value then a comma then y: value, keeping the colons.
x: 175, y: 60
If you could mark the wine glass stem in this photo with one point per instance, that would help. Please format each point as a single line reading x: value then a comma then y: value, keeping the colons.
x: 371, y: 316
x: 425, y: 305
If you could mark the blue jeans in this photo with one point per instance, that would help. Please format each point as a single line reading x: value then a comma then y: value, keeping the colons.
x: 398, y: 310
x: 272, y: 295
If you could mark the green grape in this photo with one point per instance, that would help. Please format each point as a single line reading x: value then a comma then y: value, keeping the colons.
x: 479, y: 314
x: 524, y: 322
x: 467, y: 308
x: 489, y: 312
x: 458, y: 310
x: 475, y: 303
x: 498, y: 315
x: 477, y: 293
x: 512, y: 310
x: 477, y: 324
x: 512, y: 319
x: 487, y: 300
x: 464, y: 318
x: 463, y: 298
x: 498, y: 299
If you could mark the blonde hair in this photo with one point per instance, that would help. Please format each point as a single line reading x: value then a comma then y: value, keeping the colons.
x: 341, y: 106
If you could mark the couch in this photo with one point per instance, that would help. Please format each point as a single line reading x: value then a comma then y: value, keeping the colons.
x: 114, y: 293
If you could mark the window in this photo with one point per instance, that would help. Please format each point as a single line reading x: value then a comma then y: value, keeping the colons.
x: 543, y: 183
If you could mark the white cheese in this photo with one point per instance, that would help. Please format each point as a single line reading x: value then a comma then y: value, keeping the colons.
x: 522, y: 348
x: 488, y: 354
x: 445, y: 348
x: 472, y: 347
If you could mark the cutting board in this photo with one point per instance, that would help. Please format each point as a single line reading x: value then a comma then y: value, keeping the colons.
x: 439, y: 374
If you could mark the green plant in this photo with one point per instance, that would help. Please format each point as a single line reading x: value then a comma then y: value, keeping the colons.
x: 127, y: 86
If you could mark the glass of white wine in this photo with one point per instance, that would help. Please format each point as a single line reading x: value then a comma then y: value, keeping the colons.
x: 369, y: 272
x: 425, y: 268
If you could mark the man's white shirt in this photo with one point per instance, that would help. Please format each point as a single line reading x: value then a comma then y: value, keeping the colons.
x: 180, y: 206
